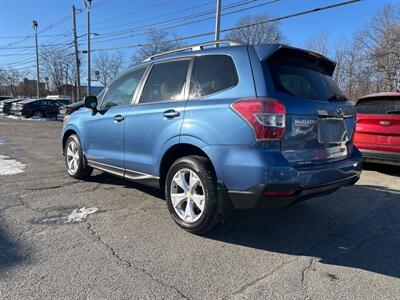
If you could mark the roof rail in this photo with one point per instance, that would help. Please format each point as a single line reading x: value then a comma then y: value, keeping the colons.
x: 195, y: 47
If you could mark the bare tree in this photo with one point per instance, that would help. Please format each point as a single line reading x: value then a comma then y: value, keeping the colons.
x: 371, y: 61
x: 381, y: 40
x: 59, y: 66
x: 157, y: 41
x: 108, y: 66
x: 10, y: 78
x: 318, y: 44
x: 256, y: 34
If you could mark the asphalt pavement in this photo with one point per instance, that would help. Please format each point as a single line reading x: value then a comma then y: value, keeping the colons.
x: 108, y: 238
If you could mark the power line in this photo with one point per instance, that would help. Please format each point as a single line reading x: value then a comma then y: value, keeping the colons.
x: 232, y: 28
x: 49, y: 27
x: 65, y: 33
x: 175, y: 20
x: 132, y: 13
x: 122, y: 36
x: 238, y: 27
x: 157, y: 16
x: 29, y: 60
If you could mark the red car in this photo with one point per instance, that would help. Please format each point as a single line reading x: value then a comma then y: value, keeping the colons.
x: 377, y: 132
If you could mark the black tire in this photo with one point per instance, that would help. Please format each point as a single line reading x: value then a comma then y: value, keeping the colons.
x: 38, y: 113
x: 83, y: 170
x: 203, y: 169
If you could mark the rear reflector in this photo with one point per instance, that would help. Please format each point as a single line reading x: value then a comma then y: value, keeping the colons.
x: 280, y: 193
x: 266, y: 117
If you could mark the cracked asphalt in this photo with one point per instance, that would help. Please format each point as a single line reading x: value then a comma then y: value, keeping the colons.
x: 345, y: 245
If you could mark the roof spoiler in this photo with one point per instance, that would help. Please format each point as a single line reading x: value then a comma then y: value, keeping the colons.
x: 264, y: 52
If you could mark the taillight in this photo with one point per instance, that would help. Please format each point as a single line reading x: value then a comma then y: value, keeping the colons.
x: 266, y: 117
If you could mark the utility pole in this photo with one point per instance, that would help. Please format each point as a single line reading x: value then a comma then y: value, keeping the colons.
x: 88, y: 4
x: 77, y: 62
x: 217, y: 21
x: 35, y: 26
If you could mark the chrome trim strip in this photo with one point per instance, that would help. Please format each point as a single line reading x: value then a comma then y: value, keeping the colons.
x: 106, y: 168
x: 130, y: 174
x: 134, y: 175
x: 105, y: 165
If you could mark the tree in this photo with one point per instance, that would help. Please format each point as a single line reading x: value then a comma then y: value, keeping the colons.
x: 59, y: 65
x: 157, y: 41
x: 10, y: 78
x: 258, y: 34
x: 108, y: 66
x: 318, y: 44
x: 371, y: 61
x: 381, y: 40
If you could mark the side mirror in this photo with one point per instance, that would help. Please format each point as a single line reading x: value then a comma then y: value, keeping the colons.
x: 91, y: 102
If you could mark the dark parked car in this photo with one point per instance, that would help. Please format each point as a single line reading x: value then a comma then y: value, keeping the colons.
x: 63, y: 101
x: 66, y: 110
x: 5, y: 97
x: 36, y: 107
x: 5, y: 106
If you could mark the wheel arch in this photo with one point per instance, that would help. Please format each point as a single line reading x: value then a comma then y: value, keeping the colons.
x: 67, y: 133
x: 177, y: 151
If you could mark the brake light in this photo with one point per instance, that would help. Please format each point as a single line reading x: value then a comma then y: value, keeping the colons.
x: 266, y: 117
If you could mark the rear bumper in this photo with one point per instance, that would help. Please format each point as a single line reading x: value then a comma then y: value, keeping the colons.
x: 255, y: 197
x: 303, y: 183
x: 383, y: 157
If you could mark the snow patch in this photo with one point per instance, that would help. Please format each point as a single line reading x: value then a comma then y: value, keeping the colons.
x: 80, y: 215
x: 10, y: 166
x: 76, y: 216
x: 16, y: 117
x: 34, y: 118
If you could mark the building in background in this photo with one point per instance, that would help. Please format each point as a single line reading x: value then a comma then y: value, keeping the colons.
x: 27, y: 88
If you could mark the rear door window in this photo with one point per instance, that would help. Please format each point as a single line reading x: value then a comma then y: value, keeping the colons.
x: 211, y: 74
x: 379, y: 106
x: 300, y: 78
x: 166, y: 82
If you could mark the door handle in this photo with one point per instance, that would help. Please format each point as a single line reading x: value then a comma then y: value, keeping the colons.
x: 118, y: 118
x: 170, y: 113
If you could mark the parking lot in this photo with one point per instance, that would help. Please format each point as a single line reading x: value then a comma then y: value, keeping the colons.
x: 345, y: 245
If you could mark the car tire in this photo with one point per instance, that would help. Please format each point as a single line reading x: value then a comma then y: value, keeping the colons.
x: 198, y: 212
x: 38, y: 113
x: 75, y: 160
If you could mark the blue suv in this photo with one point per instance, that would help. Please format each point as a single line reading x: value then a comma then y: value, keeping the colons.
x: 248, y: 125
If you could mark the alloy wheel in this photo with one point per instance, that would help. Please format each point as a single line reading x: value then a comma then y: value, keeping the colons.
x: 72, y: 157
x: 187, y: 195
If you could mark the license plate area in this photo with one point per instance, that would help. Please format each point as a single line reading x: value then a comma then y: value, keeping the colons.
x: 332, y: 131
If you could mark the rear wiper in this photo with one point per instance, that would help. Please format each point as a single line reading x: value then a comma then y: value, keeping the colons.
x: 338, y: 98
x: 393, y: 112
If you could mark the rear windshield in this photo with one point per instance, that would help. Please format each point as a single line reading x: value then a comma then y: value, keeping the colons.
x: 379, y: 106
x: 303, y: 79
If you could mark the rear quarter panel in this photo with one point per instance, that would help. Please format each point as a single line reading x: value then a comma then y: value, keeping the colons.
x: 210, y: 119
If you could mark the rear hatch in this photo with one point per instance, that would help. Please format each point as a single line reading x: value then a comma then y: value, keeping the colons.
x: 319, y: 119
x: 378, y: 123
